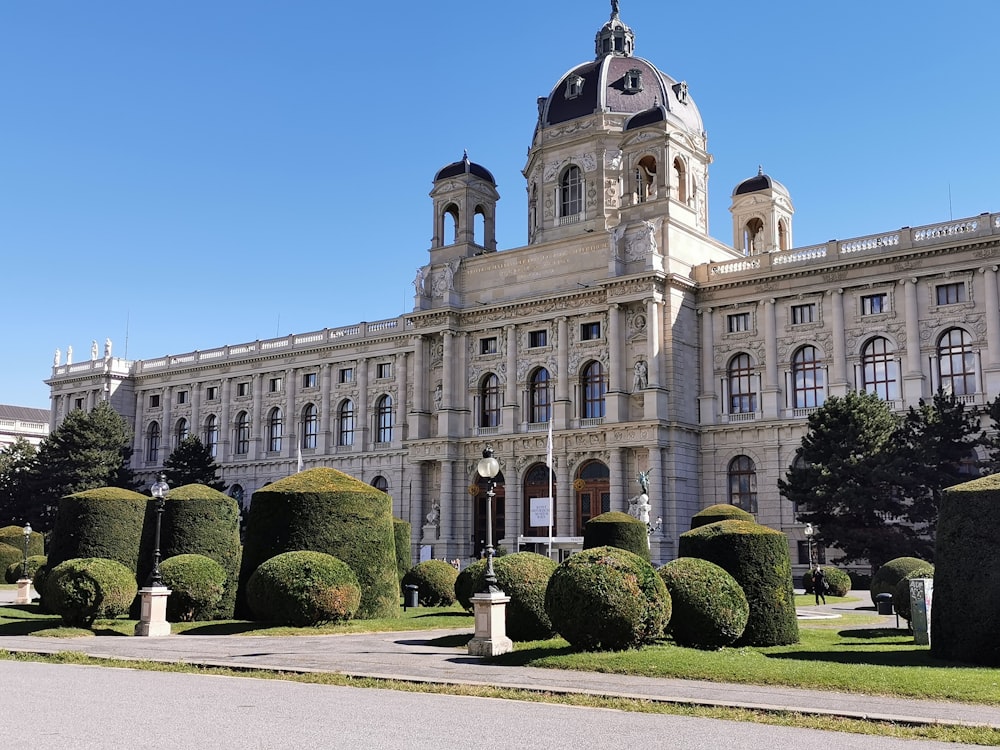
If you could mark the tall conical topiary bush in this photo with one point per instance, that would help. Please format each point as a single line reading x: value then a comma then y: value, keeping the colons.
x: 325, y: 510
x: 617, y: 529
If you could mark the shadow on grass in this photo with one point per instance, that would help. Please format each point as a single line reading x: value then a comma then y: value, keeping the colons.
x: 873, y: 633
x: 28, y: 627
x: 523, y: 657
x: 461, y: 615
x: 224, y: 628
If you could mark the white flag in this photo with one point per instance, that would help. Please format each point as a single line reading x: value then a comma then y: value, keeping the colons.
x: 298, y: 455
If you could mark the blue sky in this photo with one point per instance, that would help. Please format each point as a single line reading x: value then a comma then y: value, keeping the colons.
x: 201, y: 174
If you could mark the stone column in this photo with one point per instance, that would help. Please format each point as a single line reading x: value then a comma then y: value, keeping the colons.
x: 565, y: 499
x: 225, y: 425
x: 616, y: 399
x: 402, y: 405
x: 653, y: 342
x: 838, y: 382
x: 140, y: 409
x: 913, y: 378
x: 449, y: 526
x: 325, y: 444
x: 361, y: 427
x: 447, y: 370
x: 992, y: 318
x: 619, y: 481
x: 770, y: 395
x: 257, y: 445
x: 167, y: 433
x: 562, y: 407
x: 196, y: 410
x: 290, y: 437
x: 510, y: 408
x: 707, y: 400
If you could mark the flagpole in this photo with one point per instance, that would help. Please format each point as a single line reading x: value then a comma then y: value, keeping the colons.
x: 548, y: 460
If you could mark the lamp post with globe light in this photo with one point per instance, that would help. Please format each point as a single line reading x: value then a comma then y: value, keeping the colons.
x: 24, y: 583
x: 153, y: 596
x: 488, y: 469
x: 810, y: 532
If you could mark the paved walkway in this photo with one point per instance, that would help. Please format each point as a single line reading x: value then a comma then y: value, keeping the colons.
x: 413, y: 656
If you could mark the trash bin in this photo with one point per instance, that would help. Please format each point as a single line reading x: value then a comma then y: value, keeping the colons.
x: 410, y: 596
x: 883, y: 603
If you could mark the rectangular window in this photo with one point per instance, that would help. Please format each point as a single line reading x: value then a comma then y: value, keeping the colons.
x: 212, y: 392
x: 590, y: 331
x: 154, y: 401
x: 242, y: 389
x: 538, y: 338
x: 873, y: 304
x: 78, y: 404
x: 182, y: 397
x: 738, y: 322
x: 346, y: 375
x: 950, y: 294
x: 274, y: 385
x: 383, y: 370
x: 804, y: 313
x: 488, y: 346
x: 309, y: 380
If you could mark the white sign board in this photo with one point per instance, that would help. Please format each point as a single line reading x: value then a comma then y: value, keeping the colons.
x: 539, y: 509
x: 425, y: 552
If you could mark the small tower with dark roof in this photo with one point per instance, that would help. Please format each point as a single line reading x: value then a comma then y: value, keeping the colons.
x: 762, y: 215
x: 463, y: 191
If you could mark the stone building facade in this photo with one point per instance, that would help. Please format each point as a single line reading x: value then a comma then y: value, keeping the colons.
x: 646, y: 344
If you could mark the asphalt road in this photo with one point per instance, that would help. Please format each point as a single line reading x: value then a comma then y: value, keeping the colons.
x: 53, y: 707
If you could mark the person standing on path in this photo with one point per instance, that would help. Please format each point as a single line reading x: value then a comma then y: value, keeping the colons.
x: 819, y: 585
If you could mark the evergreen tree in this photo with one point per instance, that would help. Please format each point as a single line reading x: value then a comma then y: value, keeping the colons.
x: 991, y: 440
x: 841, y: 483
x: 17, y: 462
x: 192, y: 463
x: 88, y: 450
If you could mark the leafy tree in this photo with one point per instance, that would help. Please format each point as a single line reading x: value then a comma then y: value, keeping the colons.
x: 992, y: 440
x: 88, y: 450
x: 840, y: 481
x: 17, y: 462
x: 192, y: 463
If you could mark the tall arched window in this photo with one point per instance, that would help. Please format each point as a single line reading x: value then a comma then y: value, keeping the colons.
x: 383, y: 419
x: 645, y: 179
x: 345, y: 423
x: 570, y: 192
x: 489, y: 400
x: 782, y: 235
x: 537, y: 481
x: 540, y: 406
x: 242, y: 446
x: 153, y: 442
x: 310, y: 426
x: 743, y: 483
x: 449, y: 224
x: 808, y: 377
x: 181, y: 430
x: 212, y: 435
x: 275, y: 423
x: 593, y: 385
x: 593, y: 492
x: 878, y: 369
x: 381, y: 483
x: 680, y: 180
x: 956, y: 363
x: 742, y: 396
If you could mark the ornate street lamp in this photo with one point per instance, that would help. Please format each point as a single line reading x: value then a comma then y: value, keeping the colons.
x: 27, y: 538
x: 159, y: 492
x: 810, y: 532
x: 488, y: 469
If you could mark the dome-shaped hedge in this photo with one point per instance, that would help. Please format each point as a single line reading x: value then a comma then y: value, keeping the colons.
x: 838, y: 582
x: 757, y: 557
x: 85, y: 589
x: 402, y: 531
x: 435, y: 582
x: 197, y: 584
x: 885, y: 579
x: 303, y: 588
x: 616, y: 529
x: 710, y: 609
x: 607, y: 599
x: 720, y: 512
x: 16, y: 570
x: 901, y: 594
x: 104, y: 523
x: 325, y: 510
x: 523, y: 576
x: 14, y: 536
x: 197, y: 520
x: 10, y: 556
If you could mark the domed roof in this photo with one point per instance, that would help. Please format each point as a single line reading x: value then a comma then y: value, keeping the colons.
x: 618, y: 82
x: 465, y: 167
x: 760, y: 181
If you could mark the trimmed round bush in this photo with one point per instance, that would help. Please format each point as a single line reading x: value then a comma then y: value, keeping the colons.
x: 196, y: 585
x: 885, y: 579
x: 901, y: 594
x: 616, y: 529
x: 325, y: 510
x: 10, y: 556
x: 757, y: 557
x: 838, y: 581
x: 14, y: 536
x: 197, y: 520
x: 303, y: 588
x: 435, y: 582
x: 85, y: 589
x: 709, y: 609
x: 720, y: 512
x: 15, y: 570
x: 607, y: 599
x: 104, y: 522
x: 523, y: 576
x: 401, y: 531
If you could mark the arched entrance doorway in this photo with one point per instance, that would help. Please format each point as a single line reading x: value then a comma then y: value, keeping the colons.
x: 592, y: 487
x: 479, y: 502
x: 536, y: 484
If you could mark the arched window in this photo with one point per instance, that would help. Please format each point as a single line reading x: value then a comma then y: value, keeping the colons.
x: 237, y: 493
x: 489, y: 398
x: 242, y: 446
x: 593, y: 492
x: 153, y: 442
x: 956, y: 363
x: 570, y: 192
x: 310, y: 426
x: 878, y: 369
x: 680, y: 180
x: 753, y: 237
x: 479, y: 227
x: 743, y: 483
x: 742, y: 396
x: 345, y: 423
x: 645, y: 179
x: 782, y: 235
x: 808, y: 377
x: 181, y: 430
x: 381, y: 483
x: 212, y: 434
x: 383, y: 419
x: 536, y: 484
x: 540, y: 404
x: 275, y: 423
x: 449, y: 224
x: 593, y: 386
